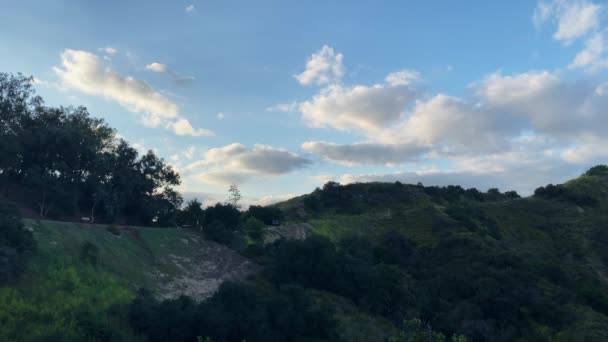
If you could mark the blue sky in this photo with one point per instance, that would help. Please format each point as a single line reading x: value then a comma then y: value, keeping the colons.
x: 280, y: 97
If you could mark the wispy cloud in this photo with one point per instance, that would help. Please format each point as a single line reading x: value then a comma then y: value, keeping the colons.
x: 164, y: 69
x: 190, y: 8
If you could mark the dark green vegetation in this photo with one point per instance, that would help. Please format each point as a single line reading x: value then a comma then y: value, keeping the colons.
x: 451, y: 263
x: 61, y: 163
x: 386, y: 262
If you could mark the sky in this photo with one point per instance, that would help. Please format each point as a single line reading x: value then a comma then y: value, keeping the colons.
x: 280, y: 97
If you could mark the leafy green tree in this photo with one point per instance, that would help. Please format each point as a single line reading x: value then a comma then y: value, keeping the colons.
x: 192, y: 214
x: 265, y: 214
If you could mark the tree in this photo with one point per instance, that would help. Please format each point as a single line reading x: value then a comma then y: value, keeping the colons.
x: 192, y: 215
x: 265, y: 214
x: 235, y: 196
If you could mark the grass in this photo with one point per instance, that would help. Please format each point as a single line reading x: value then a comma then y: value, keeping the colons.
x: 134, y: 256
x: 62, y: 298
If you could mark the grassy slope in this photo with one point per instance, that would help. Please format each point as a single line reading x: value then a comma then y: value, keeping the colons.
x: 58, y: 287
x: 60, y: 295
x: 153, y: 258
x: 133, y: 256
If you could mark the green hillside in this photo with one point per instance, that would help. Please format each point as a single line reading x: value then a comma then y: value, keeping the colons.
x: 66, y: 282
x: 385, y: 262
x: 482, y: 264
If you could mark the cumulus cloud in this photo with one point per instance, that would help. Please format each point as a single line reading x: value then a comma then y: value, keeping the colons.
x: 575, y: 18
x: 235, y: 163
x: 548, y: 104
x: 501, y: 110
x: 324, y: 66
x: 363, y: 108
x: 364, y: 153
x: 450, y: 125
x: 83, y: 71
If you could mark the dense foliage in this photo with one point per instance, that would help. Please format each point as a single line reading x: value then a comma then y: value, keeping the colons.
x: 62, y: 163
x: 237, y: 312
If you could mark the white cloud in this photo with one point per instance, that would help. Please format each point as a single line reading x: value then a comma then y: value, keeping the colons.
x: 324, y: 66
x: 364, y: 108
x: 220, y: 116
x: 190, y: 9
x: 183, y: 127
x: 542, y: 12
x: 587, y: 151
x: 547, y: 104
x: 451, y: 125
x: 502, y: 110
x: 526, y: 165
x: 592, y: 57
x: 109, y: 50
x: 237, y: 164
x: 157, y: 67
x: 403, y: 77
x: 500, y: 89
x: 83, y: 71
x: 575, y: 18
x: 365, y: 153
